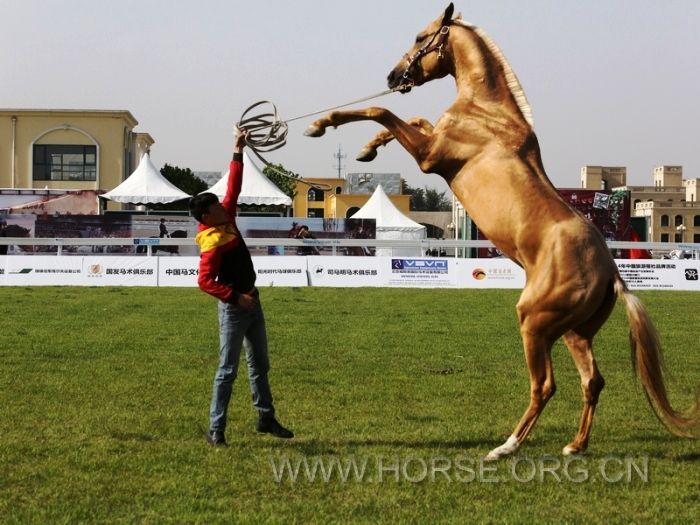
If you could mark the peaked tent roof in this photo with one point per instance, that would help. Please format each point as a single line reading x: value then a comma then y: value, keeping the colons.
x: 146, y: 186
x: 387, y: 215
x: 256, y: 187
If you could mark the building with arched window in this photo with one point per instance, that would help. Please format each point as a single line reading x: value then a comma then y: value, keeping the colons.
x: 340, y: 198
x: 68, y: 149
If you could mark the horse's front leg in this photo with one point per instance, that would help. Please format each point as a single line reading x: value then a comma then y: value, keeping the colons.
x: 369, y: 152
x: 410, y: 137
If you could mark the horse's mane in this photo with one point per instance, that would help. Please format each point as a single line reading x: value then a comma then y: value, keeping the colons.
x: 512, y: 81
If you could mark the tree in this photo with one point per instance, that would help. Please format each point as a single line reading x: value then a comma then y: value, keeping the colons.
x: 435, y: 201
x: 426, y: 199
x: 288, y: 184
x: 417, y: 202
x: 184, y: 179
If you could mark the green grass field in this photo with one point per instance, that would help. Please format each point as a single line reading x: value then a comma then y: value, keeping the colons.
x: 105, y: 390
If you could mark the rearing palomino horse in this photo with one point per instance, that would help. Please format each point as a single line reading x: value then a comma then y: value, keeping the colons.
x: 485, y: 148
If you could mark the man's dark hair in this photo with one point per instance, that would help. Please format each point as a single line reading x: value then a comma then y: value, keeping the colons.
x: 199, y: 204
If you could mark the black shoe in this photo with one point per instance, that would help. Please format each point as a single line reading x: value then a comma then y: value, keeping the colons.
x: 272, y: 426
x: 216, y: 438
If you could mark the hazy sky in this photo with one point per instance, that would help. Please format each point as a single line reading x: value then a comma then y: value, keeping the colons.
x: 611, y: 82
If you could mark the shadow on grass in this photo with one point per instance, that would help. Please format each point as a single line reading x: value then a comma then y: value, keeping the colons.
x: 334, y: 446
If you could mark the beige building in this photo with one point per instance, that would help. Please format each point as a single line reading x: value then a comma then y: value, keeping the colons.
x: 68, y: 149
x: 670, y: 205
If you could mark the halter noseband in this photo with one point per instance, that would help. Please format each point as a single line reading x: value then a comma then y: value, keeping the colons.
x: 426, y: 50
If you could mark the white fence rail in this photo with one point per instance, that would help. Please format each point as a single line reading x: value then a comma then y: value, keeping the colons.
x: 424, y: 244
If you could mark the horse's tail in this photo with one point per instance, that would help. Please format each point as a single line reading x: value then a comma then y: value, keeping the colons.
x: 647, y: 362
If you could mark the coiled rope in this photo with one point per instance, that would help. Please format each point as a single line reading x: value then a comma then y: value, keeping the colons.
x: 266, y: 131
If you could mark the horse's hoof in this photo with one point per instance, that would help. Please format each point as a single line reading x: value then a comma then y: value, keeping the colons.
x: 492, y: 456
x: 367, y: 155
x: 314, y: 131
x: 510, y: 446
x: 570, y: 450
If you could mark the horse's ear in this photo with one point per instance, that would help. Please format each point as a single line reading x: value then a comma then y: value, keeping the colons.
x: 447, y: 17
x: 458, y: 16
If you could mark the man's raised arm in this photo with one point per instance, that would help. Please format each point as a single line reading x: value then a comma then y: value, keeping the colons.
x: 235, y: 175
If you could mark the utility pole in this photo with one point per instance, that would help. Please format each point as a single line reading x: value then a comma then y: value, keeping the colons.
x: 340, y: 158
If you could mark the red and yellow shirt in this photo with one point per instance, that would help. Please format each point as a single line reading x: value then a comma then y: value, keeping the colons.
x: 225, y: 266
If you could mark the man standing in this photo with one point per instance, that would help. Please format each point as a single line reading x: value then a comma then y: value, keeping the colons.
x: 3, y: 233
x: 226, y: 272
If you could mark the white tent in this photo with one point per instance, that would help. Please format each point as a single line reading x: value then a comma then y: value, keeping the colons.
x: 256, y: 187
x: 391, y: 223
x: 146, y: 186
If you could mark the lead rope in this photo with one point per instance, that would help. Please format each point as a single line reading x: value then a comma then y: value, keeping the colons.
x: 267, y: 132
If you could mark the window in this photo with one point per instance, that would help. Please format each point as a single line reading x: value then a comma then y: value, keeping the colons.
x: 664, y: 220
x: 679, y: 220
x: 65, y: 162
x: 315, y: 195
x: 338, y: 190
x: 696, y: 220
x: 636, y: 201
x: 664, y: 237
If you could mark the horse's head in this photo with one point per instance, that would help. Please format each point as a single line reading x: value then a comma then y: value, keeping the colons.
x: 424, y: 61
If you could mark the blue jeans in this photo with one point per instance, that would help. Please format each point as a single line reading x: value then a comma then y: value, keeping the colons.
x: 238, y: 327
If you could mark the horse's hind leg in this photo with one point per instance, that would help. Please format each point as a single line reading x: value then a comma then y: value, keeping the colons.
x: 538, y: 354
x: 592, y: 383
x: 369, y: 152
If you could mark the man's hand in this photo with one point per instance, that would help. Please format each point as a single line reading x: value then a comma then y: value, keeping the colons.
x: 239, y: 142
x: 247, y: 301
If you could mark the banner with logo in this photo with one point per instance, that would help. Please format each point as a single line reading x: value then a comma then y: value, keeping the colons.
x: 347, y: 271
x: 331, y: 271
x: 488, y: 273
x: 281, y: 271
x: 178, y: 271
x: 120, y: 271
x: 42, y: 270
x: 270, y: 271
x: 663, y: 274
x: 429, y: 272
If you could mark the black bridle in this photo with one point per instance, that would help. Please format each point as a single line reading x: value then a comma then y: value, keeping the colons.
x: 428, y: 48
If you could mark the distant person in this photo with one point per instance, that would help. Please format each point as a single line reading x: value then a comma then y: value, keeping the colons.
x: 293, y: 231
x: 226, y: 271
x: 304, y: 233
x: 163, y: 229
x: 3, y: 233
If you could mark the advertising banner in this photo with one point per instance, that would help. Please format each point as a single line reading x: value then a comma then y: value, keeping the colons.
x: 347, y: 271
x: 664, y: 274
x: 42, y: 270
x: 120, y: 271
x: 178, y: 271
x: 329, y: 271
x: 429, y: 272
x: 488, y: 273
x: 270, y: 271
x: 281, y: 271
